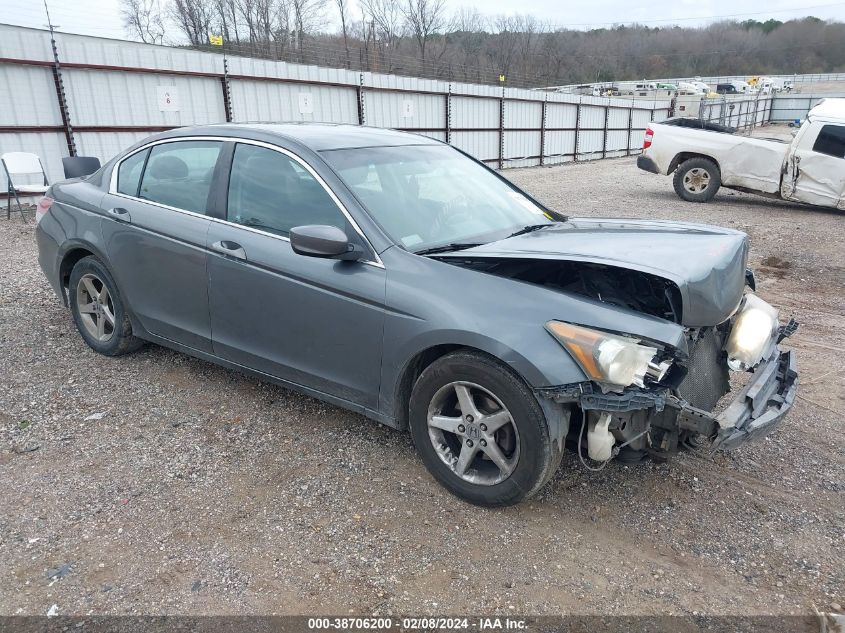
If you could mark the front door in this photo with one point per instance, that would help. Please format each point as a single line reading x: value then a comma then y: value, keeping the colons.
x: 155, y: 236
x: 815, y: 172
x: 310, y: 321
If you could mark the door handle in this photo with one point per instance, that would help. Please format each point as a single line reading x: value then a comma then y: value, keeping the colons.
x: 230, y: 249
x: 120, y: 214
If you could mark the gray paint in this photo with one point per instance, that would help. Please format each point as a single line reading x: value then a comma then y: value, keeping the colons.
x: 345, y: 331
x: 705, y: 262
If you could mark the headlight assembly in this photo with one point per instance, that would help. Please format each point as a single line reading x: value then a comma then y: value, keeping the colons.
x: 607, y: 358
x: 755, y: 324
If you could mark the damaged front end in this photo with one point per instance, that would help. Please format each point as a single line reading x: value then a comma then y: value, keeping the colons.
x: 670, y: 399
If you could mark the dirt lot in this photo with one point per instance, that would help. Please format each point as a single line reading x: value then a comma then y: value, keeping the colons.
x: 157, y: 483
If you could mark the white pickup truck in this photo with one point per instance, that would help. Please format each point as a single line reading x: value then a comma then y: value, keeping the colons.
x: 810, y: 169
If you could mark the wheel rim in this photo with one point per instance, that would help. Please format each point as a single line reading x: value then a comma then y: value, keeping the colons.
x: 473, y: 433
x: 96, y: 309
x: 696, y: 180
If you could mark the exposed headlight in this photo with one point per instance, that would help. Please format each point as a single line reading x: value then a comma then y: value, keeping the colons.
x: 755, y: 324
x: 608, y: 358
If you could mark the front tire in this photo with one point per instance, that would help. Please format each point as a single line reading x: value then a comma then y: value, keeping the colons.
x: 480, y: 430
x: 98, y: 309
x: 697, y: 179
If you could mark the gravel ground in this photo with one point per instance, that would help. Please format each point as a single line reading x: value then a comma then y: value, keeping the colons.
x: 156, y: 483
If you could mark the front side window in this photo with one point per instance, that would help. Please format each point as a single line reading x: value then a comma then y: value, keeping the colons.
x: 426, y: 196
x: 129, y: 173
x: 179, y: 174
x: 270, y: 191
x: 831, y: 141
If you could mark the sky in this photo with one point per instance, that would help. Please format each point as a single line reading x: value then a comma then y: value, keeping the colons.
x: 102, y: 17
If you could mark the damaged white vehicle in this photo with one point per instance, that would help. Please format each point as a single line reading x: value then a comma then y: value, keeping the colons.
x: 704, y: 157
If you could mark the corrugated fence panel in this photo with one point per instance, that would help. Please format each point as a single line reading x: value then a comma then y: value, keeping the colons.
x: 121, y: 99
x: 82, y: 49
x: 561, y: 115
x: 267, y: 102
x: 106, y: 145
x: 21, y: 43
x: 482, y: 145
x: 471, y: 112
x: 521, y: 114
x: 791, y: 107
x: 559, y: 147
x: 618, y: 117
x: 41, y: 105
x: 49, y: 146
x: 404, y: 110
x: 617, y: 143
x: 522, y: 149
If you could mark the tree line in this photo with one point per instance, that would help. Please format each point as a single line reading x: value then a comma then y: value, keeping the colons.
x: 425, y: 38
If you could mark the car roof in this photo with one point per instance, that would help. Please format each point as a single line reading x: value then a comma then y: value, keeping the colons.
x: 315, y: 136
x: 828, y: 110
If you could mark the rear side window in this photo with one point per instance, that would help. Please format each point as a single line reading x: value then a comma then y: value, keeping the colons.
x: 831, y: 141
x: 179, y: 174
x: 129, y: 173
x: 270, y: 191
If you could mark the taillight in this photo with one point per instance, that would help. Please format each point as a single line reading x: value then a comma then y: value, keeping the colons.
x: 43, y: 208
x: 649, y: 136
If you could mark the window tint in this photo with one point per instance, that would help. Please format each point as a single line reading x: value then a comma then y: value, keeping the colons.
x: 271, y: 192
x: 179, y: 174
x: 831, y: 141
x: 129, y: 173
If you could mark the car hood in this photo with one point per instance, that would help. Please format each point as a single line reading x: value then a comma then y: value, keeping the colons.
x: 706, y: 263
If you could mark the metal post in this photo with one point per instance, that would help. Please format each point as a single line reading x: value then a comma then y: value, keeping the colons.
x: 448, y: 97
x: 630, y: 128
x: 60, y: 89
x: 577, y: 130
x: 360, y: 99
x: 543, y: 131
x: 604, y: 136
x: 227, y: 95
x: 502, y: 129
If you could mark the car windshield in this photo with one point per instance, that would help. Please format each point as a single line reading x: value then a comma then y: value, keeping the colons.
x: 427, y: 196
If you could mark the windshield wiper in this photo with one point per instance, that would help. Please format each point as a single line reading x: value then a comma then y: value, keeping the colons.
x: 447, y: 248
x: 531, y: 228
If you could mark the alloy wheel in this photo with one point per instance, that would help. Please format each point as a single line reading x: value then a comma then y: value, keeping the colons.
x: 95, y: 306
x: 473, y: 433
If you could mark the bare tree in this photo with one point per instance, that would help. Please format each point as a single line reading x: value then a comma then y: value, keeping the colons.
x: 306, y: 17
x: 424, y: 18
x: 143, y: 19
x: 343, y: 10
x: 385, y: 17
x: 194, y: 19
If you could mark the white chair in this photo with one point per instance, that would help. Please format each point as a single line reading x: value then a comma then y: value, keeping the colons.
x: 21, y: 167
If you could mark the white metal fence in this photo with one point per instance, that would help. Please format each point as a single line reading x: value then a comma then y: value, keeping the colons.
x: 104, y: 95
x: 741, y: 111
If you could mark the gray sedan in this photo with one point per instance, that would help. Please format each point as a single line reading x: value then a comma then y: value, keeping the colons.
x: 396, y: 276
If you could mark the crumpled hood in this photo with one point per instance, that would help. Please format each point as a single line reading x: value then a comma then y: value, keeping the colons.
x: 706, y: 263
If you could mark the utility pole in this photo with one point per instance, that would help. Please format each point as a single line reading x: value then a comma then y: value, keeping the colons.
x: 60, y: 87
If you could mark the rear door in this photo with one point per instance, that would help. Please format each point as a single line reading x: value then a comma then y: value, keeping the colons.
x: 815, y: 171
x: 155, y: 236
x: 313, y: 322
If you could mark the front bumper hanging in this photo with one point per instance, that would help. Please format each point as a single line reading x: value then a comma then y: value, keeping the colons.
x: 758, y: 409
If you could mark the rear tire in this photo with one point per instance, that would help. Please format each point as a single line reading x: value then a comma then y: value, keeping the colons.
x: 480, y: 430
x: 697, y: 179
x: 98, y: 309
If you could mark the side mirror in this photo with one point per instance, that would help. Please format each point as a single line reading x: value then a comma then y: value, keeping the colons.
x: 317, y: 240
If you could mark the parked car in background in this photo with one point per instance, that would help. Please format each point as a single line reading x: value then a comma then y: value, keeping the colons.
x: 809, y: 169
x: 394, y: 275
x: 726, y: 89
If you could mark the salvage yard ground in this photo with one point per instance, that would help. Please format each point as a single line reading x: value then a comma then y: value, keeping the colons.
x: 156, y: 483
